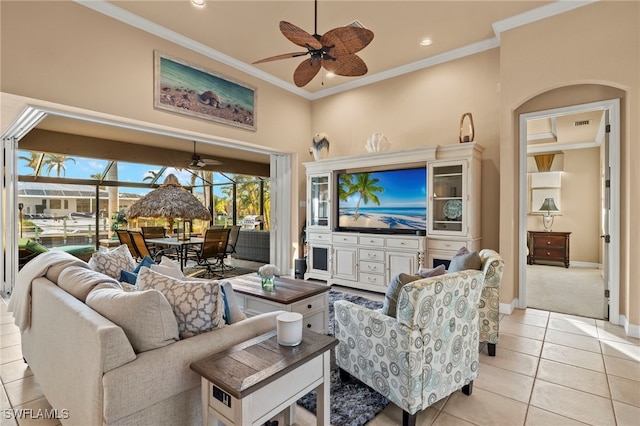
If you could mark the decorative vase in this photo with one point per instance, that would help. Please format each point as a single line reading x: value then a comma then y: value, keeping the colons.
x: 467, y: 129
x: 268, y: 283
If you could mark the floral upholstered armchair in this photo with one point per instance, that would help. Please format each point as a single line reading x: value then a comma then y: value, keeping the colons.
x: 427, y: 352
x: 493, y: 267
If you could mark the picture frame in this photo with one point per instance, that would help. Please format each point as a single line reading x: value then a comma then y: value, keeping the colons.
x: 189, y: 89
x: 538, y: 195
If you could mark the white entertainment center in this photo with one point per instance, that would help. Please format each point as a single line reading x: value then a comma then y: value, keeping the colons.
x: 368, y: 258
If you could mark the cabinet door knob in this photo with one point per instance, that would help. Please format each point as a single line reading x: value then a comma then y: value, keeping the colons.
x: 309, y: 306
x: 308, y: 325
x: 548, y: 254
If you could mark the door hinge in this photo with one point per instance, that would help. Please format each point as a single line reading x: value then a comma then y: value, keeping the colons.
x: 607, y: 128
x: 607, y: 183
x: 606, y: 293
x: 607, y: 238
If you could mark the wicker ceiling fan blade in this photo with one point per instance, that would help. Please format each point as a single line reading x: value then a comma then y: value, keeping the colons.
x: 349, y: 65
x: 299, y: 36
x: 306, y: 71
x: 346, y: 40
x: 283, y: 56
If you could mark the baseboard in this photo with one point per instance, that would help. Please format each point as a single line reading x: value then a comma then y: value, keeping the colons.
x: 632, y: 330
x: 507, y: 308
x: 586, y: 264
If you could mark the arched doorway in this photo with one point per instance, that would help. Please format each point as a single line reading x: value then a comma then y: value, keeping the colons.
x: 562, y: 102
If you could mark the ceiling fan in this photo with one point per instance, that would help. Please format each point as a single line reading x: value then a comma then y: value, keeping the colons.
x: 198, y: 162
x: 334, y: 50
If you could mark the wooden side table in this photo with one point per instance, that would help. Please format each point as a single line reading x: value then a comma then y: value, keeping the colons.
x: 548, y: 246
x: 251, y: 382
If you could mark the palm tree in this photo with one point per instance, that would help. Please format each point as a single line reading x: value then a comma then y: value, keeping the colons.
x: 97, y: 176
x: 151, y: 175
x: 365, y: 186
x: 56, y: 161
x: 32, y: 160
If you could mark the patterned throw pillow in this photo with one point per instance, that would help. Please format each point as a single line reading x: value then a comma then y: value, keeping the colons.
x: 112, y: 262
x: 390, y: 303
x: 197, y: 305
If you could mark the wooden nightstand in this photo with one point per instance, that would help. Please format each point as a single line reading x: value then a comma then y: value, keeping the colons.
x: 549, y: 247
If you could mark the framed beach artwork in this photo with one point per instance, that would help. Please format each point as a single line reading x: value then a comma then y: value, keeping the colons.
x: 192, y: 90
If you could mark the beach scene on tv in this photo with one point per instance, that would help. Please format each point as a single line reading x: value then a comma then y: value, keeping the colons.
x: 390, y: 199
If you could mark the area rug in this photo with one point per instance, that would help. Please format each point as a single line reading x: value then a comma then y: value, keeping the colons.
x: 352, y: 402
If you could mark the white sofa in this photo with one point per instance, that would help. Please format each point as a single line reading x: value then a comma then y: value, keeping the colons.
x: 89, y: 372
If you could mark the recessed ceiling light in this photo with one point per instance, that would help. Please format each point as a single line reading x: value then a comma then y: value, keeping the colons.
x: 426, y: 42
x: 199, y: 3
x: 329, y: 74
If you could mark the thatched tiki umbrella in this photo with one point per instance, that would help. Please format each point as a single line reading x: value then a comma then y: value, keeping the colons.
x: 171, y: 201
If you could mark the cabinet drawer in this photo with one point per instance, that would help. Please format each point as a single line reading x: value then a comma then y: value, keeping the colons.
x: 372, y: 241
x: 445, y: 245
x: 548, y: 253
x: 551, y: 241
x: 373, y: 279
x: 310, y: 305
x: 403, y: 244
x: 372, y: 255
x: 345, y: 239
x: 371, y: 267
x: 255, y: 306
x: 319, y: 236
x: 316, y: 322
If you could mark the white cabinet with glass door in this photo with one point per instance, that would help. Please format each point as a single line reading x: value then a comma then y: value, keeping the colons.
x: 319, y: 201
x: 447, y: 198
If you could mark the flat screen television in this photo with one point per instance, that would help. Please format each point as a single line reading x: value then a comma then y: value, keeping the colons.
x: 388, y: 201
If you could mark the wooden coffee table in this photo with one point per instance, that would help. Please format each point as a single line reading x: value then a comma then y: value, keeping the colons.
x: 290, y: 294
x: 252, y: 382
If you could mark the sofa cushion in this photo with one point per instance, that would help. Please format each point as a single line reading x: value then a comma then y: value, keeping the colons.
x: 112, y: 262
x: 434, y: 272
x: 79, y: 281
x: 145, y: 316
x: 197, y: 305
x: 462, y: 262
x: 232, y: 311
x: 390, y: 303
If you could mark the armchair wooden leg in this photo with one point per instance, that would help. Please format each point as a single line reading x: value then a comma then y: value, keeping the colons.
x: 491, y: 347
x: 344, y: 376
x: 408, y: 419
x: 467, y: 389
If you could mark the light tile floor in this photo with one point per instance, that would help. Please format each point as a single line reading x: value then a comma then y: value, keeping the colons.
x: 550, y: 369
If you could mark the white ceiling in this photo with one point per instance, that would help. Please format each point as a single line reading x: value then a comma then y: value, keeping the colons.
x: 240, y: 32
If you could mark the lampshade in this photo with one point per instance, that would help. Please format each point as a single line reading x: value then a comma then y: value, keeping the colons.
x: 549, y: 205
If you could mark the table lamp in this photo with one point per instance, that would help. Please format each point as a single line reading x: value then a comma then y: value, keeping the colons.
x: 547, y: 219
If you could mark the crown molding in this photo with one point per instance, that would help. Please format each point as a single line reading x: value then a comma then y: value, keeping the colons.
x: 543, y: 12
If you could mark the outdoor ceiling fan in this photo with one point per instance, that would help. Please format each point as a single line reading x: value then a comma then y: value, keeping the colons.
x: 334, y: 50
x: 197, y: 162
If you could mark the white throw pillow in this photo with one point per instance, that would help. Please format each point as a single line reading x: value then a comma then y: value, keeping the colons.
x: 145, y: 316
x: 79, y: 281
x: 112, y: 262
x: 197, y: 305
x: 168, y: 267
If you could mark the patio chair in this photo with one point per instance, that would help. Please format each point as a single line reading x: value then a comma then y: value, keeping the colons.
x: 234, y: 232
x: 153, y: 232
x: 125, y: 238
x: 140, y: 244
x: 214, y: 251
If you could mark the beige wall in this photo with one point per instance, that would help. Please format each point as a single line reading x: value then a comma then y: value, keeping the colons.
x: 420, y: 109
x: 580, y: 204
x: 596, y: 45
